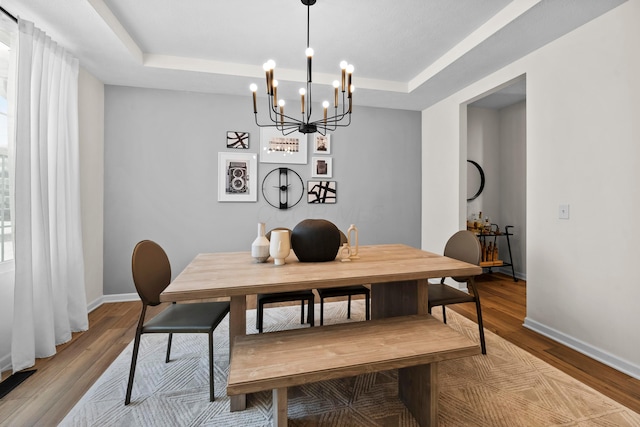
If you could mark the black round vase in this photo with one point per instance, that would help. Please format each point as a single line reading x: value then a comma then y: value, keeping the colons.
x: 315, y: 240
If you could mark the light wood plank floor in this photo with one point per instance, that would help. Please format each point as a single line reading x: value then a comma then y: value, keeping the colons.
x: 46, y: 397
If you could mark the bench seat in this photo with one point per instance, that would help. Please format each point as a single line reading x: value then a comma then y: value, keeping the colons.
x: 277, y: 360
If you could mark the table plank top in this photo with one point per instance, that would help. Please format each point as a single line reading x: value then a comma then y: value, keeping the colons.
x: 227, y: 274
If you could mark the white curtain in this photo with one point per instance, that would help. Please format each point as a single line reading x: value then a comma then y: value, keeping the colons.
x: 49, y: 296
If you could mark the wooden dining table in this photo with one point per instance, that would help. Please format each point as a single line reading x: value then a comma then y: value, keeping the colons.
x: 398, y: 275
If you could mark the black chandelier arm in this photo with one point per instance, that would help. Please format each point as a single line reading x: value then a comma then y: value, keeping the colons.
x: 286, y: 129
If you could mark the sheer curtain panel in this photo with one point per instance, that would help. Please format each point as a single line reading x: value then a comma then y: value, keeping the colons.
x: 49, y: 296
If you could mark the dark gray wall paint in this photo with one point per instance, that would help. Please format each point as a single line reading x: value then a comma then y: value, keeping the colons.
x: 161, y: 154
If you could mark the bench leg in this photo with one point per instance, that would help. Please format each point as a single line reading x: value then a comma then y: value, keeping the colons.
x: 418, y: 390
x: 280, y: 407
x: 237, y: 326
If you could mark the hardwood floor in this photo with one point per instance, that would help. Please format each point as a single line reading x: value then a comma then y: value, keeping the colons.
x: 503, y: 312
x: 60, y: 381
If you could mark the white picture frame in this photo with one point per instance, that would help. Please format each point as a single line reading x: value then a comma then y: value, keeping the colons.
x: 237, y: 140
x: 278, y: 148
x: 321, y: 144
x: 322, y: 192
x: 237, y: 177
x: 321, y: 167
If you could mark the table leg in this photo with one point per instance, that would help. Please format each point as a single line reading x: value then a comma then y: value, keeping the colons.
x: 399, y: 298
x: 280, y: 407
x: 237, y: 326
x: 417, y: 386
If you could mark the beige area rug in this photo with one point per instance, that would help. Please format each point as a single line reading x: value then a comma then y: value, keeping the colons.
x: 507, y: 387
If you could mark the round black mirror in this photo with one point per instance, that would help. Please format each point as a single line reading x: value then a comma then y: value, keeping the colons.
x: 475, y: 180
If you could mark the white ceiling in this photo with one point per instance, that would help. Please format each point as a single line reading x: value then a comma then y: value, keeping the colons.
x: 407, y: 54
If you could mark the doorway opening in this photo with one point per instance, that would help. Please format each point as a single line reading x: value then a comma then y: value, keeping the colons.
x: 496, y: 142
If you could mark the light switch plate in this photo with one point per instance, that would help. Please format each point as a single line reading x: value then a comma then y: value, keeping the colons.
x: 563, y: 212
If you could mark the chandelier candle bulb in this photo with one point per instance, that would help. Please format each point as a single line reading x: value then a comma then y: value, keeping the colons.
x: 266, y: 71
x: 325, y: 105
x: 254, y: 88
x: 335, y: 85
x: 309, y: 53
x: 275, y: 92
x: 343, y: 67
x: 281, y: 103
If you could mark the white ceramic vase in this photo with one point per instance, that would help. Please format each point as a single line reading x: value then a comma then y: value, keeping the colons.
x: 280, y: 246
x: 352, y: 238
x: 260, y: 246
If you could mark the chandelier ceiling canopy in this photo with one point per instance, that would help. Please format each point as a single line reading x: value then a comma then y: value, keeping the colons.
x: 340, y: 116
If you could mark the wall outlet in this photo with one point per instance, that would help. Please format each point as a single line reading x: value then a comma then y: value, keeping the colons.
x: 563, y: 212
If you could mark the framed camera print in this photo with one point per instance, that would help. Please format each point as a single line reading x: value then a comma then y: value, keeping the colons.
x: 321, y: 144
x: 321, y: 167
x: 237, y: 177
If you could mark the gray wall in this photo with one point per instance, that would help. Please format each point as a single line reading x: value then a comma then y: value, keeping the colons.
x: 161, y: 150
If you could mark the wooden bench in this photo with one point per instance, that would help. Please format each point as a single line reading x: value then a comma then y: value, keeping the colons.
x: 277, y: 360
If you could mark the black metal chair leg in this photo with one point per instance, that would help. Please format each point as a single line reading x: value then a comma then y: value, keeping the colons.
x: 166, y: 360
x: 444, y: 315
x: 259, y: 317
x: 132, y: 371
x: 302, y: 312
x: 321, y: 311
x: 481, y: 327
x: 310, y: 314
x: 367, y: 309
x: 211, y: 390
x: 349, y: 307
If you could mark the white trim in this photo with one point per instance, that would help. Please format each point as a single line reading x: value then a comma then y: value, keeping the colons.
x: 112, y: 298
x: 584, y: 348
x: 118, y: 29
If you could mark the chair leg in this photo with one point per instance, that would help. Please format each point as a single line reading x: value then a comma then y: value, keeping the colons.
x: 302, y: 312
x: 480, y: 327
x: 321, y: 311
x: 349, y: 307
x: 259, y: 317
x: 166, y: 360
x: 211, y: 382
x: 311, y: 316
x: 444, y: 315
x: 132, y: 371
x: 367, y: 310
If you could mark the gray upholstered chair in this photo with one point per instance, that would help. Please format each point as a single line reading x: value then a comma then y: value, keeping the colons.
x: 463, y: 246
x: 151, y: 275
x: 342, y: 291
x: 276, y: 297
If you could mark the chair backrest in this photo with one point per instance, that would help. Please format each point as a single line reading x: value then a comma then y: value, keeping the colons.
x: 464, y: 246
x: 151, y: 271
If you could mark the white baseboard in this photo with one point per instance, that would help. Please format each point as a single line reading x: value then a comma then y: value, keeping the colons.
x: 112, y: 298
x: 584, y: 348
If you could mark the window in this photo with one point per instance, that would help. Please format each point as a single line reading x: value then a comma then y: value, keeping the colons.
x: 6, y: 232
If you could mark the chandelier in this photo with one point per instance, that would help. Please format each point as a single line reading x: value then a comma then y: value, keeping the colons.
x: 339, y: 117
